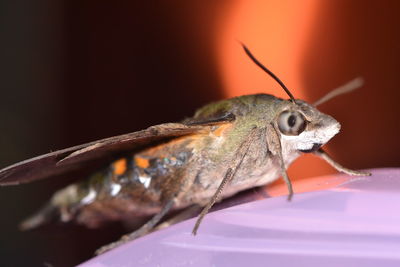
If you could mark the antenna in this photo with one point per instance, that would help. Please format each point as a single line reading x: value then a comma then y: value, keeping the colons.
x: 269, y: 72
x: 344, y: 89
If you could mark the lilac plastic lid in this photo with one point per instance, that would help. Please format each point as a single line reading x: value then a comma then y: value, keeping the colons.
x: 354, y: 223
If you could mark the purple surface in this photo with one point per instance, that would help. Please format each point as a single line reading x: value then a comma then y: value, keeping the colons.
x: 356, y: 223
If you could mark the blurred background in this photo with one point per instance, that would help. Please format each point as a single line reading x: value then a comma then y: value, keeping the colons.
x: 77, y: 71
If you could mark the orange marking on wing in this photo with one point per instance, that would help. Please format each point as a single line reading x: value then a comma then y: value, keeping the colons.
x: 142, y: 162
x: 119, y: 166
x: 164, y: 150
x: 221, y: 129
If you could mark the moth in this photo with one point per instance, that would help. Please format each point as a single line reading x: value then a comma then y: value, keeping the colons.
x: 226, y: 147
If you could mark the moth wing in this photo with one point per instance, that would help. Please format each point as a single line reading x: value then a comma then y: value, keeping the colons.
x: 87, y: 157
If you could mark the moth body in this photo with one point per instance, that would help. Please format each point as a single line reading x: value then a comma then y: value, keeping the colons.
x: 190, y: 168
x: 226, y: 147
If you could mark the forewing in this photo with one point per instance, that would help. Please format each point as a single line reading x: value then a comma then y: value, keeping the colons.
x: 87, y: 157
x: 213, y: 119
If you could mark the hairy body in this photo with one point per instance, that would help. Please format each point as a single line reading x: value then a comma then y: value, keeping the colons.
x: 189, y: 169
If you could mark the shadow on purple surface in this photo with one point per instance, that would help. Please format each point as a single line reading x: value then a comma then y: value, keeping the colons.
x: 351, y: 224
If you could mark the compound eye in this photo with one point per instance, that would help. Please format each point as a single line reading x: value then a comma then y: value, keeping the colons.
x: 291, y: 122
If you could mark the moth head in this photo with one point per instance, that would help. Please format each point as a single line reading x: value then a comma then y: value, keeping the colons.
x: 302, y: 127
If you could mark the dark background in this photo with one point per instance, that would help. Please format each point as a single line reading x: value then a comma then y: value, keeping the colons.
x: 76, y: 71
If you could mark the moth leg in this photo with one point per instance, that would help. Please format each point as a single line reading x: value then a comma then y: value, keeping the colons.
x: 323, y: 155
x: 230, y: 173
x: 187, y: 213
x: 285, y: 177
x: 147, y: 227
x: 228, y: 177
x: 274, y: 145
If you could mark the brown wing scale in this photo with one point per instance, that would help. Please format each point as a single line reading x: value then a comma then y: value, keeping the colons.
x: 89, y: 156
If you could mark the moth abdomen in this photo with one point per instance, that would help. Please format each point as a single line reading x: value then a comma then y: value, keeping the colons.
x: 128, y: 188
x: 44, y: 216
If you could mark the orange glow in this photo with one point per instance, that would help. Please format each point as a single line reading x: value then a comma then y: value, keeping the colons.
x: 277, y: 33
x: 279, y: 188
